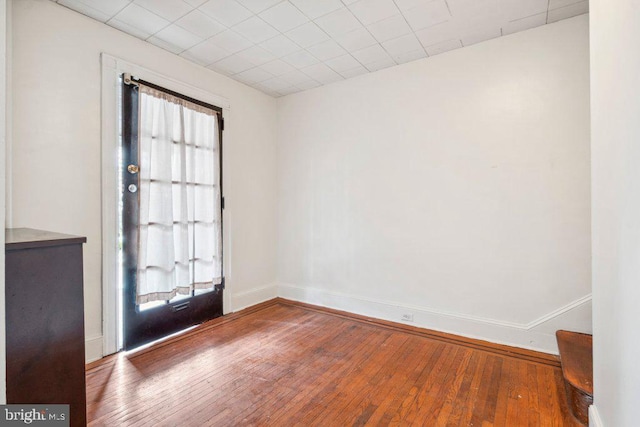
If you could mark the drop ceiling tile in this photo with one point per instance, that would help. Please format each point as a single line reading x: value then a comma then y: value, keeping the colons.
x: 284, y: 16
x: 300, y: 59
x: 427, y: 15
x: 443, y: 47
x: 524, y: 23
x: 255, y: 30
x: 326, y: 50
x: 280, y: 46
x: 257, y: 55
x: 85, y: 10
x: 517, y: 9
x: 409, y: 56
x: 474, y: 8
x: 347, y: 74
x: 277, y: 67
x: 232, y: 64
x: 370, y: 11
x: 480, y: 35
x: 309, y: 84
x: 141, y: 19
x: 356, y: 40
x: 227, y: 12
x: 195, y: 3
x: 402, y: 45
x: 168, y: 9
x: 254, y: 75
x: 193, y: 58
x: 371, y: 54
x: 321, y: 73
x: 338, y: 22
x: 110, y: 8
x: 288, y: 91
x: 568, y: 11
x: 556, y: 4
x: 207, y: 52
x: 343, y: 63
x: 437, y: 33
x: 389, y: 28
x: 307, y: 35
x: 275, y: 83
x: 177, y: 37
x: 316, y: 8
x: 405, y: 5
x: 380, y: 64
x: 200, y: 24
x: 257, y: 6
x: 296, y: 78
x: 165, y: 45
x: 231, y: 41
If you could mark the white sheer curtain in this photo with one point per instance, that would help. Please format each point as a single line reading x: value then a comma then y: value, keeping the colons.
x: 180, y: 233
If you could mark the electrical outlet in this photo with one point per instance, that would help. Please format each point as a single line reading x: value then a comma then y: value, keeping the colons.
x: 407, y: 318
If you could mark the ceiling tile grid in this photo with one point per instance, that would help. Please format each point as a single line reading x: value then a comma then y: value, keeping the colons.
x: 282, y: 47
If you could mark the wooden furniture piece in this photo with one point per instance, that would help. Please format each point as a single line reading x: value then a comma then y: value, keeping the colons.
x: 576, y: 357
x: 45, y: 320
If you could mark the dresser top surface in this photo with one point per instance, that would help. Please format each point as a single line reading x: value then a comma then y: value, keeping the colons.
x: 27, y: 238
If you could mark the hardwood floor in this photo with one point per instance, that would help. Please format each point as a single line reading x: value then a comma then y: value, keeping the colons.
x: 289, y: 364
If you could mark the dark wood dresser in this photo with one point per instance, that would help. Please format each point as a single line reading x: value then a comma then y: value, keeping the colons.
x: 45, y: 320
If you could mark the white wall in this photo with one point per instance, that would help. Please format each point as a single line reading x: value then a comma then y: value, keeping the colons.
x: 454, y: 188
x: 56, y: 146
x: 615, y: 145
x: 4, y: 26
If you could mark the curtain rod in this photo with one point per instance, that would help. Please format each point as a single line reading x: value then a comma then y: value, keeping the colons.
x: 132, y: 80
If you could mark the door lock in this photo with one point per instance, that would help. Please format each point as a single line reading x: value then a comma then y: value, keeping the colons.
x: 133, y: 169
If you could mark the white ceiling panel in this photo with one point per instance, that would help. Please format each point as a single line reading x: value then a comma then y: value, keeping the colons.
x: 200, y: 24
x: 178, y: 37
x: 338, y: 22
x: 87, y: 10
x: 316, y: 8
x: 300, y: 59
x: 370, y: 11
x: 227, y: 12
x: 257, y: 6
x: 280, y: 46
x: 356, y: 40
x: 428, y: 14
x: 257, y: 55
x: 170, y: 10
x: 326, y: 50
x: 284, y: 16
x: 389, y: 28
x: 141, y: 19
x: 524, y: 23
x: 442, y: 47
x: 255, y: 30
x: 284, y: 46
x: 231, y: 41
x: 343, y: 63
x: 307, y: 35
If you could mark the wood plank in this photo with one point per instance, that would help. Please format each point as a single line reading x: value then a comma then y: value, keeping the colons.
x: 291, y: 364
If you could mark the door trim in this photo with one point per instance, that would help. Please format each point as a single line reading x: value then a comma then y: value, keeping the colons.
x: 112, y: 68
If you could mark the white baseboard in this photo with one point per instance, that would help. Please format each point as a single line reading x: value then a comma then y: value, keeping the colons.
x: 594, y: 417
x: 246, y: 299
x: 519, y: 335
x: 93, y: 349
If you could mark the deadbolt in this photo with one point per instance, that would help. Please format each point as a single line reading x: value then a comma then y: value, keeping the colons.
x: 133, y: 169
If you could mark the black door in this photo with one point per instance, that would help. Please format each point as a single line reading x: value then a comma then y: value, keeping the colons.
x: 148, y: 322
